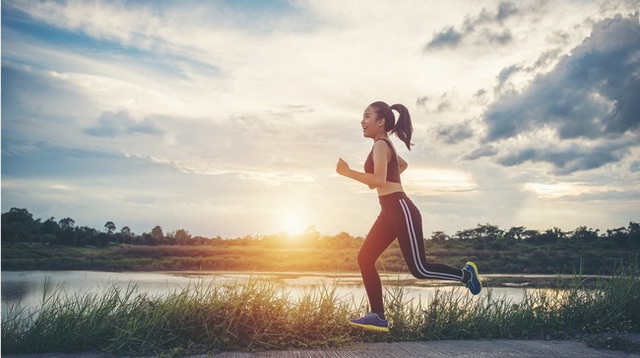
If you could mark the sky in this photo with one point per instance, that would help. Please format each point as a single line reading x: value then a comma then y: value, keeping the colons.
x: 226, y: 118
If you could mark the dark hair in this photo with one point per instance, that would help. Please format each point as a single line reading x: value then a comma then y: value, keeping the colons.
x: 403, y: 129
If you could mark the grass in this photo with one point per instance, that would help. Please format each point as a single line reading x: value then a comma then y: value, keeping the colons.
x: 261, y: 315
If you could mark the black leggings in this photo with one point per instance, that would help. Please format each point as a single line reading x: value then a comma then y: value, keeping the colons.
x: 399, y: 218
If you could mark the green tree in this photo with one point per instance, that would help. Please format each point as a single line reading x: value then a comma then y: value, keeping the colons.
x: 487, y: 232
x: 584, y: 234
x: 633, y: 235
x: 50, y: 226
x: 67, y: 223
x: 126, y: 235
x: 110, y: 227
x: 467, y: 234
x: 551, y: 236
x: 439, y: 237
x: 182, y: 237
x: 126, y: 231
x: 515, y: 233
x: 67, y: 236
x: 19, y: 225
x: 157, y: 234
x: 86, y: 236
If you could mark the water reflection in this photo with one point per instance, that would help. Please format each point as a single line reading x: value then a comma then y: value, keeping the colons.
x: 29, y: 288
x: 14, y: 291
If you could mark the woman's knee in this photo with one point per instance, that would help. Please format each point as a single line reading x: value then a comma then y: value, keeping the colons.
x: 415, y: 272
x: 365, y: 261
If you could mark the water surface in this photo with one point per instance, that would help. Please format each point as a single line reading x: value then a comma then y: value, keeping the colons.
x: 27, y: 288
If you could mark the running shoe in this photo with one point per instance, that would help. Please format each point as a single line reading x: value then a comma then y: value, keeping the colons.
x: 474, y: 285
x: 370, y: 322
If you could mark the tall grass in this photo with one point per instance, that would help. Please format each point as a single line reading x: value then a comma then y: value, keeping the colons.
x: 257, y: 315
x: 612, y: 306
x: 261, y: 315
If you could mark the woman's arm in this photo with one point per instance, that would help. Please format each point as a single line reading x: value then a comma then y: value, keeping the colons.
x: 378, y: 178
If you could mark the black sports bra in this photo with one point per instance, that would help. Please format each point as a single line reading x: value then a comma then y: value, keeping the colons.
x: 393, y: 170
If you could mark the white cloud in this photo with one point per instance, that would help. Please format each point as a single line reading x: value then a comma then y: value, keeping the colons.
x: 557, y: 190
x: 437, y: 181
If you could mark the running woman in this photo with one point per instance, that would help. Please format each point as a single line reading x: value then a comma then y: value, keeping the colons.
x: 399, y: 218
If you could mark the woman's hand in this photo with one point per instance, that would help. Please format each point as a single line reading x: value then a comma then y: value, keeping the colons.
x: 342, y: 167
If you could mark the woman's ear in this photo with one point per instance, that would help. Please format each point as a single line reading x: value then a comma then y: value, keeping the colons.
x: 380, y: 122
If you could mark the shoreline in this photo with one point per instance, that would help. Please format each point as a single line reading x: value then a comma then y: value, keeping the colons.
x: 403, y: 279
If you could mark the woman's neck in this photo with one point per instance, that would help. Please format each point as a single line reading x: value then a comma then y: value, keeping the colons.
x: 380, y: 136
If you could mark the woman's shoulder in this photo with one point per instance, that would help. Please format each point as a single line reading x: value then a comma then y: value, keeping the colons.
x: 379, y: 143
x: 380, y: 140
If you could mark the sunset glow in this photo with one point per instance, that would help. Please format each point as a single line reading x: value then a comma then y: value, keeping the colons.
x: 293, y: 224
x: 227, y: 117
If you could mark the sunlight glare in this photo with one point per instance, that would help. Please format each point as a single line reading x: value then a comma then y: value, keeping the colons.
x: 435, y: 181
x: 293, y: 224
x: 557, y: 190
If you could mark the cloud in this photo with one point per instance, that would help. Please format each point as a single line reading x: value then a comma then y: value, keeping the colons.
x: 591, y: 92
x: 452, y: 134
x: 499, y: 38
x: 485, y: 151
x: 590, y: 95
x: 44, y: 160
x: 121, y: 123
x: 448, y: 37
x: 481, y: 25
x: 555, y: 190
x: 442, y: 104
x: 547, y: 58
x: 506, y: 9
x: 504, y: 75
x: 568, y: 160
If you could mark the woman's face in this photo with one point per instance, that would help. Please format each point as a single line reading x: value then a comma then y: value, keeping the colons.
x: 371, y: 124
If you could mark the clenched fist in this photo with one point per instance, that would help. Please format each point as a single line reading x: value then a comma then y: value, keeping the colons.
x: 342, y: 167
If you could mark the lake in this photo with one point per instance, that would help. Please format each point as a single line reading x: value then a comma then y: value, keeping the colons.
x: 27, y: 287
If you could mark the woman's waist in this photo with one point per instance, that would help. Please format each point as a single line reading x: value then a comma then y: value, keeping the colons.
x: 389, y: 188
x: 391, y: 197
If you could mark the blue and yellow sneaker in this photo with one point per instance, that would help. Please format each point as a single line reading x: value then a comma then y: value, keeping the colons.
x: 370, y: 322
x: 473, y: 284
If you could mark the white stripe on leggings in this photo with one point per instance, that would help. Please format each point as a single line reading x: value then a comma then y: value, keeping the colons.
x: 415, y: 248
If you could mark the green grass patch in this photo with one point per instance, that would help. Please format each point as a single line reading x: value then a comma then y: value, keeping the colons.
x: 260, y: 255
x: 261, y: 315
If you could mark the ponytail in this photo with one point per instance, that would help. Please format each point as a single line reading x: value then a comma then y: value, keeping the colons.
x: 403, y: 129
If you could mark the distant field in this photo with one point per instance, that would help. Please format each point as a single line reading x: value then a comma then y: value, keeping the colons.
x: 24, y: 256
x: 256, y: 257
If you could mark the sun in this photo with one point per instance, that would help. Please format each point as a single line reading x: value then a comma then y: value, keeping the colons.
x: 293, y: 224
x: 293, y: 227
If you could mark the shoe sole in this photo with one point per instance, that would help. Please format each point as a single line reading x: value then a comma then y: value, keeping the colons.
x: 370, y: 328
x: 476, y: 275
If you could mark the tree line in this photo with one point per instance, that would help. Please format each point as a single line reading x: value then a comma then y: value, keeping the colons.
x: 18, y: 225
x: 30, y: 243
